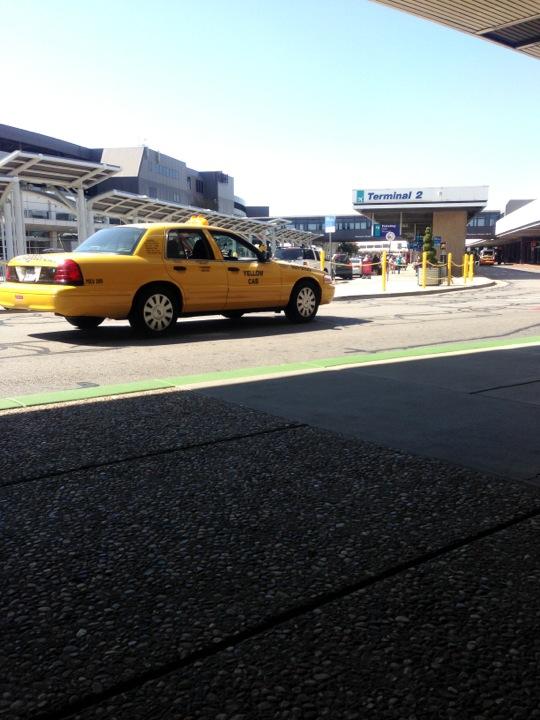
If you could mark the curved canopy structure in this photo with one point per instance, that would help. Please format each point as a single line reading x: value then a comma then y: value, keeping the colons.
x: 69, y: 179
x: 523, y: 222
x: 140, y: 208
x: 55, y: 171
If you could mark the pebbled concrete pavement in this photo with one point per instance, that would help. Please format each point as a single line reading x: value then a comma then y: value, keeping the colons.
x: 171, y: 555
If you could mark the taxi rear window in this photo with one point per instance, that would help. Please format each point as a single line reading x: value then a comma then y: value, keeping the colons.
x: 117, y: 240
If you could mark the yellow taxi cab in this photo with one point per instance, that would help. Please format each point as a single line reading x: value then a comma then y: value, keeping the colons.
x: 151, y: 274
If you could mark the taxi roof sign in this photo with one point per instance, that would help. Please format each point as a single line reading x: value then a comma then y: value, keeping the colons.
x: 197, y: 220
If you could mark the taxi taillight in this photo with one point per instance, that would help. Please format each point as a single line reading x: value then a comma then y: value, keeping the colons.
x: 11, y: 274
x: 68, y: 273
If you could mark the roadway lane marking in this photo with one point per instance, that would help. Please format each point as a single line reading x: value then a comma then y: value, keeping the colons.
x: 229, y: 377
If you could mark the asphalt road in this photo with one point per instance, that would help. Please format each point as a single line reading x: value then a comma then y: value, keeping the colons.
x: 40, y: 352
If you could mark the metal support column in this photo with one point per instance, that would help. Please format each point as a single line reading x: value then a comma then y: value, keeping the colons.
x: 19, y: 234
x: 90, y: 226
x: 8, y: 227
x: 82, y: 215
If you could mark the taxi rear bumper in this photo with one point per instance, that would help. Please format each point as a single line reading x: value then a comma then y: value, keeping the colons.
x: 59, y: 299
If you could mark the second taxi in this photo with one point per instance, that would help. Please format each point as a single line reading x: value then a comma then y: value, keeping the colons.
x: 153, y: 273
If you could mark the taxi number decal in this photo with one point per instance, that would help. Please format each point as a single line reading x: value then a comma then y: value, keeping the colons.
x: 97, y: 281
x: 152, y: 247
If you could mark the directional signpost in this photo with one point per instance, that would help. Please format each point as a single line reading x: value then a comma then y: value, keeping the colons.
x: 330, y: 227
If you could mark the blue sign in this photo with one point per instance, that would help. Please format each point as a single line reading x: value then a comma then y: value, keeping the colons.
x: 380, y: 230
x: 330, y: 224
x: 359, y: 196
x: 389, y: 228
x: 437, y: 240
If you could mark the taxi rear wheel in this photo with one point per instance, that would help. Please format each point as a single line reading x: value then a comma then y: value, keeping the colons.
x: 84, y: 322
x: 303, y: 303
x: 154, y: 312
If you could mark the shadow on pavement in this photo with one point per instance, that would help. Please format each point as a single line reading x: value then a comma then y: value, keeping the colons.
x: 196, y: 330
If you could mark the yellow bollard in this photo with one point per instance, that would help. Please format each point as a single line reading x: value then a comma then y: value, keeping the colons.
x: 465, y: 267
x: 322, y: 259
x: 449, y: 260
x: 424, y: 268
x: 383, y: 270
x: 471, y: 267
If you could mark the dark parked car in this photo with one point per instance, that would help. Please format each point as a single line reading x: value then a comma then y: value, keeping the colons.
x: 342, y: 266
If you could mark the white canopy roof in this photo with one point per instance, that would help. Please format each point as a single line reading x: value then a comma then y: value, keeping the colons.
x: 523, y: 221
x: 130, y: 208
x: 57, y: 171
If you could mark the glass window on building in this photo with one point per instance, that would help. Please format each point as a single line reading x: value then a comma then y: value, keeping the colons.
x: 199, y: 186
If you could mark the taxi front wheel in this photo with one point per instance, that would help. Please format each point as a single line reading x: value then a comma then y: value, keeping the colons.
x: 303, y: 304
x: 154, y: 311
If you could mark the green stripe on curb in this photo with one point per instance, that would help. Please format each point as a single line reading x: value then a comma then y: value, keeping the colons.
x: 81, y: 394
x: 23, y: 401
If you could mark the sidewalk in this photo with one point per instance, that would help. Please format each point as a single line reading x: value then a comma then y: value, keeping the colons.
x: 404, y: 283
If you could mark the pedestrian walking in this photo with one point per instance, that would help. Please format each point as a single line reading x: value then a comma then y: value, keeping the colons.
x: 367, y: 268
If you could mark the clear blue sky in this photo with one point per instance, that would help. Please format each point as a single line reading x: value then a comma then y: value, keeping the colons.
x: 300, y: 101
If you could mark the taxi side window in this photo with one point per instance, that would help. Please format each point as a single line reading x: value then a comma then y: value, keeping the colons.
x: 233, y: 248
x: 187, y: 245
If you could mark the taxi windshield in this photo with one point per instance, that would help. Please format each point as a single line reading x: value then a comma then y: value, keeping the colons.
x: 116, y: 240
x: 289, y: 254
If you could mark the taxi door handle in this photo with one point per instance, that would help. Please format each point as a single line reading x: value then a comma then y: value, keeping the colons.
x: 233, y: 269
x: 180, y: 268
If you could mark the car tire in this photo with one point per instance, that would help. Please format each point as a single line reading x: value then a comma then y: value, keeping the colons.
x: 233, y: 314
x: 84, y: 322
x: 303, y: 303
x: 154, y: 312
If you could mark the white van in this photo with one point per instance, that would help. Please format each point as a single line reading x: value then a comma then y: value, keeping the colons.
x: 307, y: 256
x: 487, y: 256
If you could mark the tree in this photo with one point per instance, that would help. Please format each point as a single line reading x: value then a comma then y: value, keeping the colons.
x: 429, y: 247
x: 348, y: 247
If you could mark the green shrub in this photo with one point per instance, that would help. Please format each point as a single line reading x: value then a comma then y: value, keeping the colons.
x: 429, y: 246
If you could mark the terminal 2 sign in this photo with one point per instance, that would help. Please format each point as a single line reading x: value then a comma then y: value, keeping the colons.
x: 392, y: 196
x: 424, y: 195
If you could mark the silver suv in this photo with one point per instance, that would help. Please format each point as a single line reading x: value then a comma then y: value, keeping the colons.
x: 307, y: 256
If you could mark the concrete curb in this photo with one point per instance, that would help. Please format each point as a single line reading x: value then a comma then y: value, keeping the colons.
x: 430, y: 291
